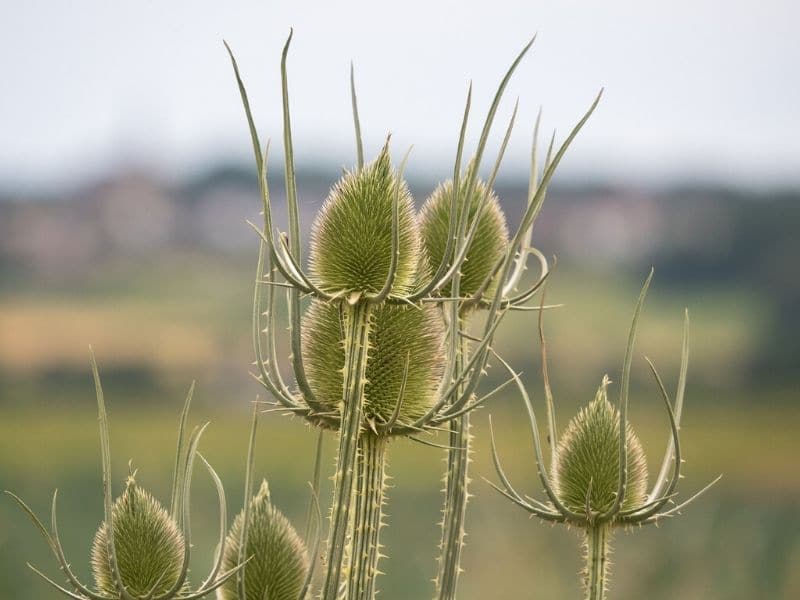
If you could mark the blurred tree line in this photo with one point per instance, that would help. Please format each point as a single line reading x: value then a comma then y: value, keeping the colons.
x: 760, y: 250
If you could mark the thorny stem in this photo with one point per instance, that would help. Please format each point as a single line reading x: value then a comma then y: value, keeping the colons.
x: 597, y: 538
x: 368, y: 517
x: 456, y: 495
x: 357, y: 323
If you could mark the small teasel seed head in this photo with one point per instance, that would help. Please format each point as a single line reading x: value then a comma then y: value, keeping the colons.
x: 398, y: 333
x: 588, y: 460
x: 149, y: 546
x: 488, y: 246
x: 278, y: 559
x: 351, y: 239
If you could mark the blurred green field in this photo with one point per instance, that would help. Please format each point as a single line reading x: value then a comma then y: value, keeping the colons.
x: 741, y: 541
x: 155, y: 327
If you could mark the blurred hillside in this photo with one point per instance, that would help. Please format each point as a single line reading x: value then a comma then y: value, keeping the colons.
x: 728, y: 252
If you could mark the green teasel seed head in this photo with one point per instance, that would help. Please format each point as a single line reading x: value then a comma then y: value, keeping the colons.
x: 278, y: 560
x: 149, y: 546
x: 399, y: 335
x: 351, y: 239
x: 488, y: 246
x: 588, y: 460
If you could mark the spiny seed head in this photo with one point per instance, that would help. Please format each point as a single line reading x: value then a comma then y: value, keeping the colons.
x: 397, y: 333
x: 488, y: 246
x: 351, y: 239
x: 149, y: 546
x: 279, y: 561
x: 588, y: 460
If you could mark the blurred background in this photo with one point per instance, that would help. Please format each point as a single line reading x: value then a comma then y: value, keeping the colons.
x: 126, y: 180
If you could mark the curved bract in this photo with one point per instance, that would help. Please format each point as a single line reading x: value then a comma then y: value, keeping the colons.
x: 278, y: 560
x: 587, y: 469
x: 400, y: 336
x: 351, y: 243
x: 489, y: 244
x: 149, y: 546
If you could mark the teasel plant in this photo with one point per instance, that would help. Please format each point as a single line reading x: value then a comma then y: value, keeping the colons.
x: 463, y: 296
x: 368, y: 269
x: 141, y: 550
x: 597, y: 477
x: 273, y: 559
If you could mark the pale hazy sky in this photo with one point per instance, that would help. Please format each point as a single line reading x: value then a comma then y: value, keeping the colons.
x: 706, y: 88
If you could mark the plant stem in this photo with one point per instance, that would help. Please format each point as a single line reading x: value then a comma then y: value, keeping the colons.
x: 367, y: 521
x: 456, y: 496
x: 597, y: 561
x: 357, y: 325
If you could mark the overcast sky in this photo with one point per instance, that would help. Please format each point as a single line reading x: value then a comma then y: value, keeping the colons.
x: 694, y: 88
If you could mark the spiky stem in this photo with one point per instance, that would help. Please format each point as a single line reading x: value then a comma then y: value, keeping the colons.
x: 368, y: 517
x: 456, y: 495
x: 597, y: 538
x: 356, y: 349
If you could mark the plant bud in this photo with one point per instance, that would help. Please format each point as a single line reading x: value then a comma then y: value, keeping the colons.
x: 149, y: 546
x: 488, y: 246
x: 397, y: 334
x: 351, y: 241
x: 588, y: 460
x: 278, y: 563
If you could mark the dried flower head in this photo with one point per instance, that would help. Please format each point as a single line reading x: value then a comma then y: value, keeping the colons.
x: 278, y: 562
x: 351, y: 242
x: 149, y: 546
x: 587, y: 469
x: 404, y: 367
x: 488, y: 246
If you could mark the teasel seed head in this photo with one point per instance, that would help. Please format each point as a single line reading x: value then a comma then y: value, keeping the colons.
x: 278, y: 559
x: 491, y: 239
x: 587, y: 469
x: 405, y: 343
x: 149, y: 546
x: 351, y: 239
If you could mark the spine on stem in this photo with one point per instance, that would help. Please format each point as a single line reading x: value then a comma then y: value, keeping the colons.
x: 456, y: 494
x: 357, y: 319
x: 597, y: 538
x: 466, y: 211
x: 368, y: 517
